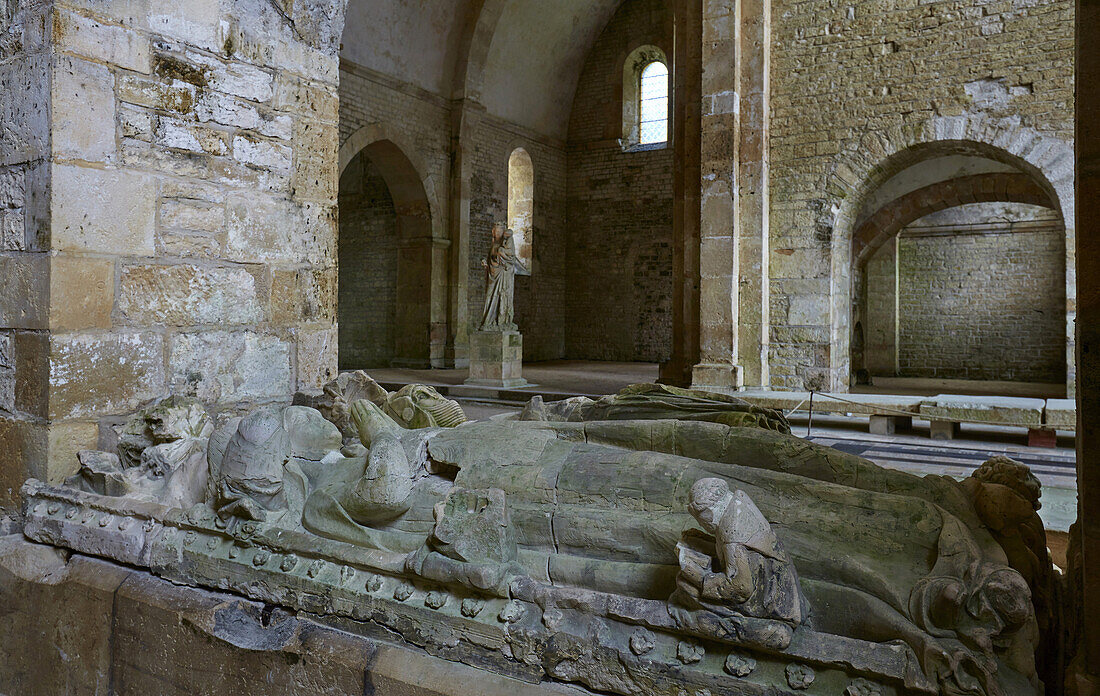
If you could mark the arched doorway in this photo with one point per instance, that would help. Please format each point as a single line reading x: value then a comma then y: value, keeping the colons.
x: 392, y: 279
x: 959, y: 271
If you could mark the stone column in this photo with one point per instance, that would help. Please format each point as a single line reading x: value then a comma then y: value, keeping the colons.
x: 719, y: 255
x: 686, y: 106
x: 465, y: 116
x: 1084, y: 678
x: 168, y: 202
x: 734, y: 231
x: 754, y: 78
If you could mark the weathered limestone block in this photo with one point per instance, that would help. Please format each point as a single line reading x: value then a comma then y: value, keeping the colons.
x: 24, y: 294
x: 23, y: 90
x: 82, y: 292
x: 193, y: 215
x: 186, y: 295
x: 261, y: 229
x: 266, y: 154
x: 112, y: 44
x: 984, y: 409
x: 1061, y: 414
x: 106, y: 211
x: 303, y: 295
x: 83, y: 99
x: 93, y: 374
x: 317, y: 357
x: 226, y: 366
x: 496, y: 359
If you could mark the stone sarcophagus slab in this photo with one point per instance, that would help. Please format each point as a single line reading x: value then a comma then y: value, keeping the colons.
x: 658, y: 541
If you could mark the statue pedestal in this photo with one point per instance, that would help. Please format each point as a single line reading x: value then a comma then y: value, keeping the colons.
x: 496, y: 359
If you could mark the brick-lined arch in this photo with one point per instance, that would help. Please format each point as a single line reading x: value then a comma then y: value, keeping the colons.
x: 892, y: 218
x: 868, y: 161
x: 420, y: 332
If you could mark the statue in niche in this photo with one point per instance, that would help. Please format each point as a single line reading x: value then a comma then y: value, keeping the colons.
x: 746, y: 534
x: 500, y: 267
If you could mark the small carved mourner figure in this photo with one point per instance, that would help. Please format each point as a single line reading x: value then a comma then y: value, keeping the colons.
x: 500, y: 280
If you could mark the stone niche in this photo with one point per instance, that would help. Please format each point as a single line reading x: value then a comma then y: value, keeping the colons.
x: 167, y: 207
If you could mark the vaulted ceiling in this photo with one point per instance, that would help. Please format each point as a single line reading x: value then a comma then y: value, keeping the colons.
x: 520, y: 58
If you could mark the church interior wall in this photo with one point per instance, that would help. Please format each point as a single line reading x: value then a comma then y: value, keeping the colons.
x: 851, y: 81
x: 619, y: 206
x: 540, y: 297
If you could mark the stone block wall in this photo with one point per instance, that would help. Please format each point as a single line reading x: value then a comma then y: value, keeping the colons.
x: 620, y: 206
x: 186, y: 197
x: 983, y: 302
x: 853, y: 84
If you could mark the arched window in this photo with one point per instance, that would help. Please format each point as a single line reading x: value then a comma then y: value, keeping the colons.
x: 645, y: 98
x: 653, y: 104
x: 521, y: 205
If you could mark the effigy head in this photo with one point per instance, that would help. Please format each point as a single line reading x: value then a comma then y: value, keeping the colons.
x: 248, y: 476
x: 709, y: 499
x: 1015, y: 475
x: 420, y: 406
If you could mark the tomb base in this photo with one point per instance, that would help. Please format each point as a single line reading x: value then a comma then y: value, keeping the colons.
x: 496, y: 359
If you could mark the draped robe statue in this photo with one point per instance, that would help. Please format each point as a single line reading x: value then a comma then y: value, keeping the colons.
x: 500, y: 279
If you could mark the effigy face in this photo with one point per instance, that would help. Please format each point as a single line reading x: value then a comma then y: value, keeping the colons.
x: 657, y: 541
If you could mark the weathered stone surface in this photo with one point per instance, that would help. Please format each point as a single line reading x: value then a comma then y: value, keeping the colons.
x: 225, y: 366
x: 65, y: 441
x: 496, y: 359
x: 303, y: 295
x: 82, y: 621
x: 24, y: 89
x: 26, y: 446
x: 24, y: 294
x: 92, y: 374
x: 262, y: 153
x: 1061, y: 414
x: 50, y: 601
x: 261, y: 229
x: 317, y: 357
x: 106, y: 211
x: 83, y: 101
x: 82, y: 292
x: 197, y: 216
x: 186, y: 295
x: 984, y: 409
x: 112, y: 44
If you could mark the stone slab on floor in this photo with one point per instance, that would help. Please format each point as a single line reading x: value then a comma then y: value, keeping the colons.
x: 860, y: 404
x: 1061, y: 414
x: 81, y: 626
x: 994, y: 410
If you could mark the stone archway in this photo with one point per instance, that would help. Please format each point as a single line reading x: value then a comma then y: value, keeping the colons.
x: 417, y: 280
x: 866, y: 163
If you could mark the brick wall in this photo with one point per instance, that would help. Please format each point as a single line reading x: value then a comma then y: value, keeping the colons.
x: 983, y: 302
x: 853, y: 82
x: 619, y: 304
x: 367, y: 244
x: 540, y: 297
